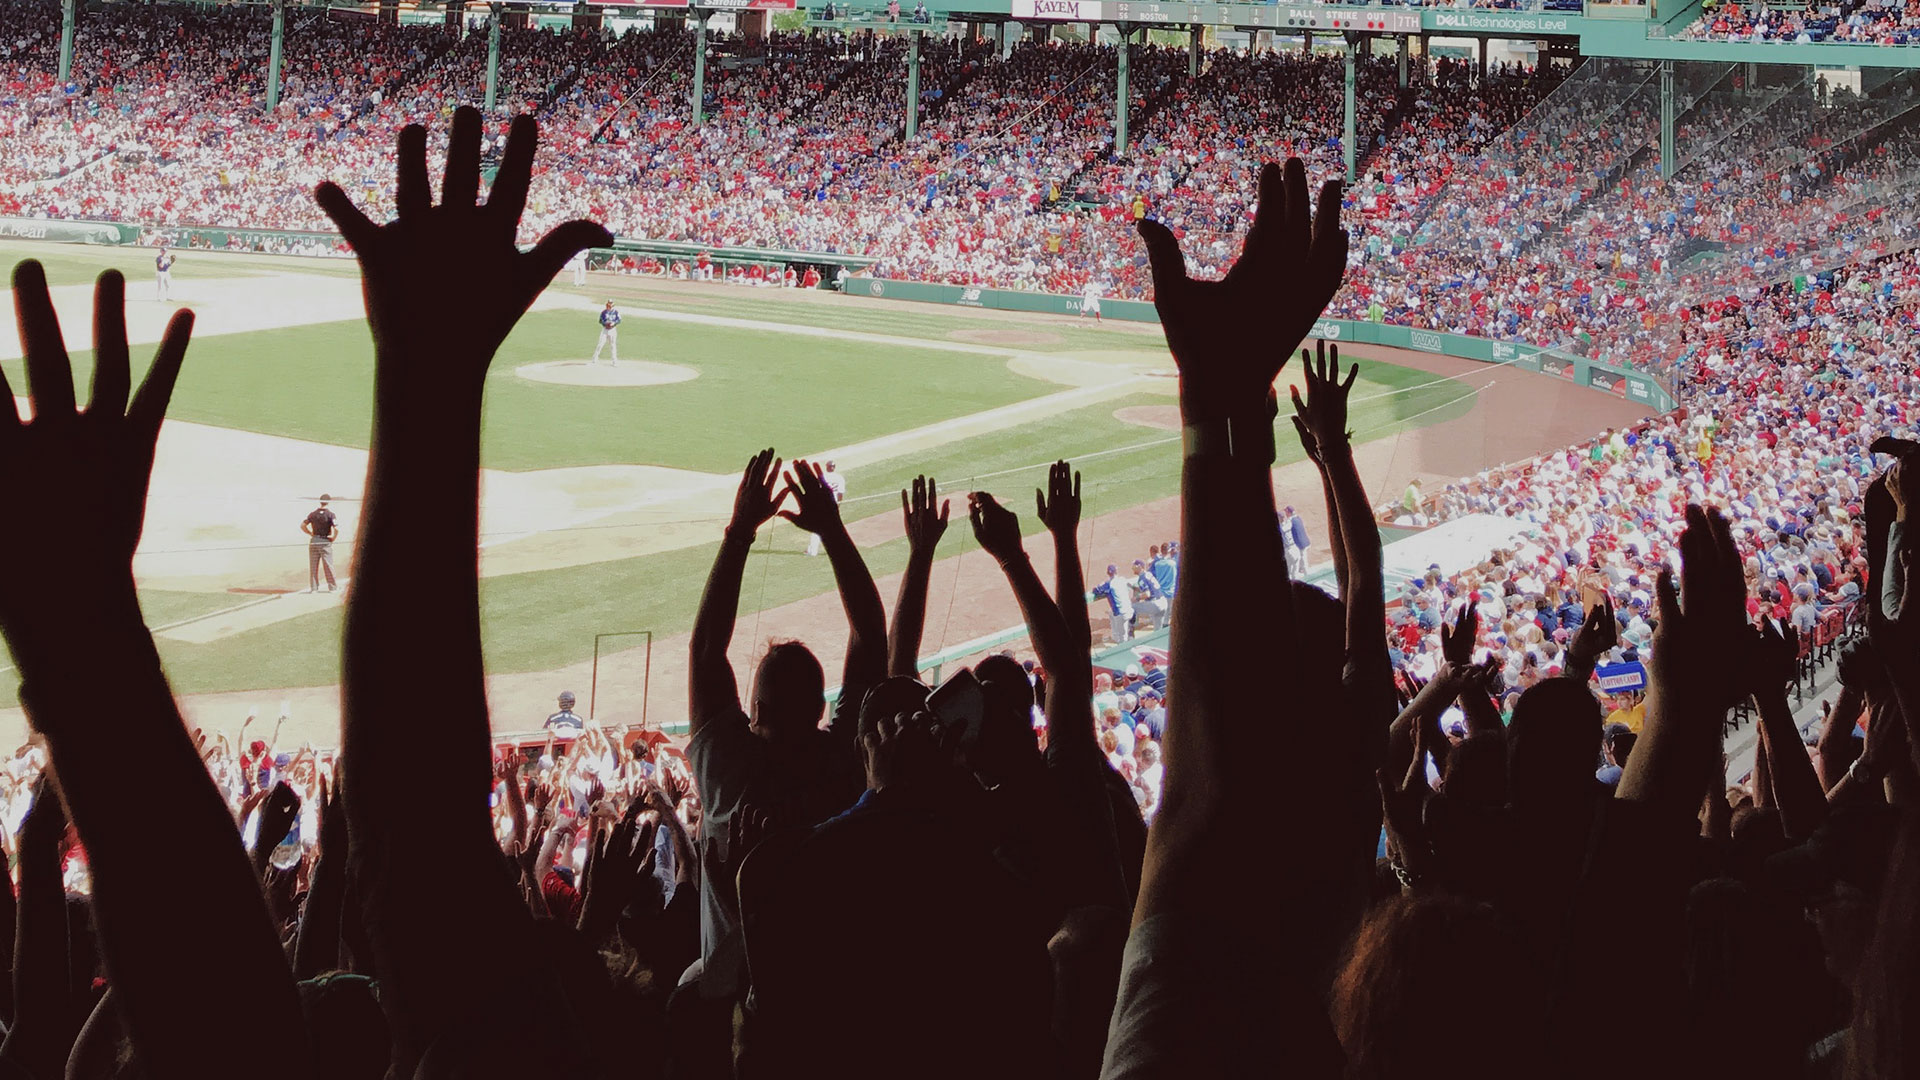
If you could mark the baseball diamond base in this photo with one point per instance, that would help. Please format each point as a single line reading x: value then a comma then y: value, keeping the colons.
x: 588, y: 373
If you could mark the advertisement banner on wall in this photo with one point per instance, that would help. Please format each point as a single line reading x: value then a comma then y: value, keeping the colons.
x: 1063, y: 10
x: 1326, y: 330
x: 1557, y: 367
x: 1639, y: 389
x: 1601, y: 379
x: 1427, y: 341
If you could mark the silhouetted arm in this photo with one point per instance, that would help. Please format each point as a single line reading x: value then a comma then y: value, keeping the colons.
x: 924, y: 527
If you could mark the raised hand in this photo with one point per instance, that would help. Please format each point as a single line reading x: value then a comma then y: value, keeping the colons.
x: 1703, y: 633
x: 755, y: 503
x: 722, y: 856
x: 276, y: 819
x: 1595, y: 636
x: 1457, y: 642
x: 995, y: 527
x: 1773, y: 659
x: 815, y: 508
x: 1323, y: 413
x: 618, y: 862
x: 1059, y: 505
x: 497, y: 281
x: 45, y: 1020
x: 924, y: 525
x: 87, y: 471
x: 1289, y: 270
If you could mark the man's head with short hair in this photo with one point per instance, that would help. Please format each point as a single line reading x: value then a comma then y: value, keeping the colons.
x: 325, y: 498
x: 789, y: 692
x: 566, y: 699
x: 609, y: 303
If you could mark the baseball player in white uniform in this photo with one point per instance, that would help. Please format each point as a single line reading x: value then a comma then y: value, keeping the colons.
x: 162, y: 273
x: 1090, y: 300
x: 609, y: 333
x: 836, y: 483
x: 579, y: 265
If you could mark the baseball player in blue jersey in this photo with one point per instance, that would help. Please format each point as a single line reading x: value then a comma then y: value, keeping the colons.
x: 609, y: 334
x: 162, y: 273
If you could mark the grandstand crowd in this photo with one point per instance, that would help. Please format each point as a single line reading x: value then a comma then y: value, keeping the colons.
x: 953, y: 883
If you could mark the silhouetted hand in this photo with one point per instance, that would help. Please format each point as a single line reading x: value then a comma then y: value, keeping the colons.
x: 1595, y: 636
x: 815, y: 508
x: 1457, y: 641
x: 617, y: 861
x: 424, y: 243
x: 995, y: 527
x: 1698, y: 648
x: 755, y: 503
x: 925, y: 526
x: 722, y: 856
x: 76, y: 482
x: 1288, y: 271
x: 1059, y: 505
x: 1773, y: 659
x: 1323, y: 413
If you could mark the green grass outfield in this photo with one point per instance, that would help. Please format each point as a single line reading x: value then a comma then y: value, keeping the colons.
x: 757, y: 387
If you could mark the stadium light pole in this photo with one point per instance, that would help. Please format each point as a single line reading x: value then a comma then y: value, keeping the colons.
x: 699, y: 65
x: 68, y: 15
x: 1124, y: 55
x: 913, y: 83
x: 1666, y: 120
x: 1348, y: 135
x: 493, y: 54
x: 273, y: 53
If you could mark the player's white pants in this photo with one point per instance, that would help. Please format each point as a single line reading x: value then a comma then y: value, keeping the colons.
x: 580, y: 273
x: 1296, y: 561
x: 162, y: 283
x: 1090, y: 307
x: 608, y: 336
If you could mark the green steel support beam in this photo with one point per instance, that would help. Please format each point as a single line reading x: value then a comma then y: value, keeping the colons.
x: 274, y: 47
x: 69, y: 14
x: 1667, y: 155
x: 1124, y: 53
x: 493, y: 56
x: 1306, y: 42
x: 1193, y: 50
x: 1348, y: 134
x: 1402, y: 54
x: 913, y: 84
x: 699, y: 18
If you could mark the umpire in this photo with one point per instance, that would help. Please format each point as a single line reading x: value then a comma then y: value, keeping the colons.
x: 322, y: 529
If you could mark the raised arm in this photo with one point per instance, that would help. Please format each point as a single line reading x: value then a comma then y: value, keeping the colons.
x: 1796, y: 790
x: 1695, y: 670
x: 436, y: 924
x: 1323, y: 412
x: 42, y: 1027
x: 1070, y: 670
x: 1059, y: 509
x: 816, y: 511
x: 924, y: 527
x: 1216, y: 796
x: 91, y: 684
x: 712, y: 690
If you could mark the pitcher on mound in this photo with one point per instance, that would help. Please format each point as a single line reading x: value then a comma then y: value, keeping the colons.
x: 609, y: 333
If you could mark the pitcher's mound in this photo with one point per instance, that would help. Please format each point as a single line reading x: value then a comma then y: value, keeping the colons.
x: 625, y: 373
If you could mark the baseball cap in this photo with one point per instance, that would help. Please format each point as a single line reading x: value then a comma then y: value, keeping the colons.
x: 1112, y: 569
x: 324, y: 497
x: 1133, y: 669
x: 1138, y: 562
x: 566, y: 696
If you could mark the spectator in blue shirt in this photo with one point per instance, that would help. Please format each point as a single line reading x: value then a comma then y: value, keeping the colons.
x: 1165, y: 570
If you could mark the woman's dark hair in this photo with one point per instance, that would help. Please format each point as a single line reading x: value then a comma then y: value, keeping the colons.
x: 1413, y: 960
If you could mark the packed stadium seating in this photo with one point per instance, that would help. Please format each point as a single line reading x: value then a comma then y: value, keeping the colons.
x: 1772, y: 281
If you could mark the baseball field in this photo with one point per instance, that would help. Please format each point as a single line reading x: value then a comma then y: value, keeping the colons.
x: 606, y: 488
